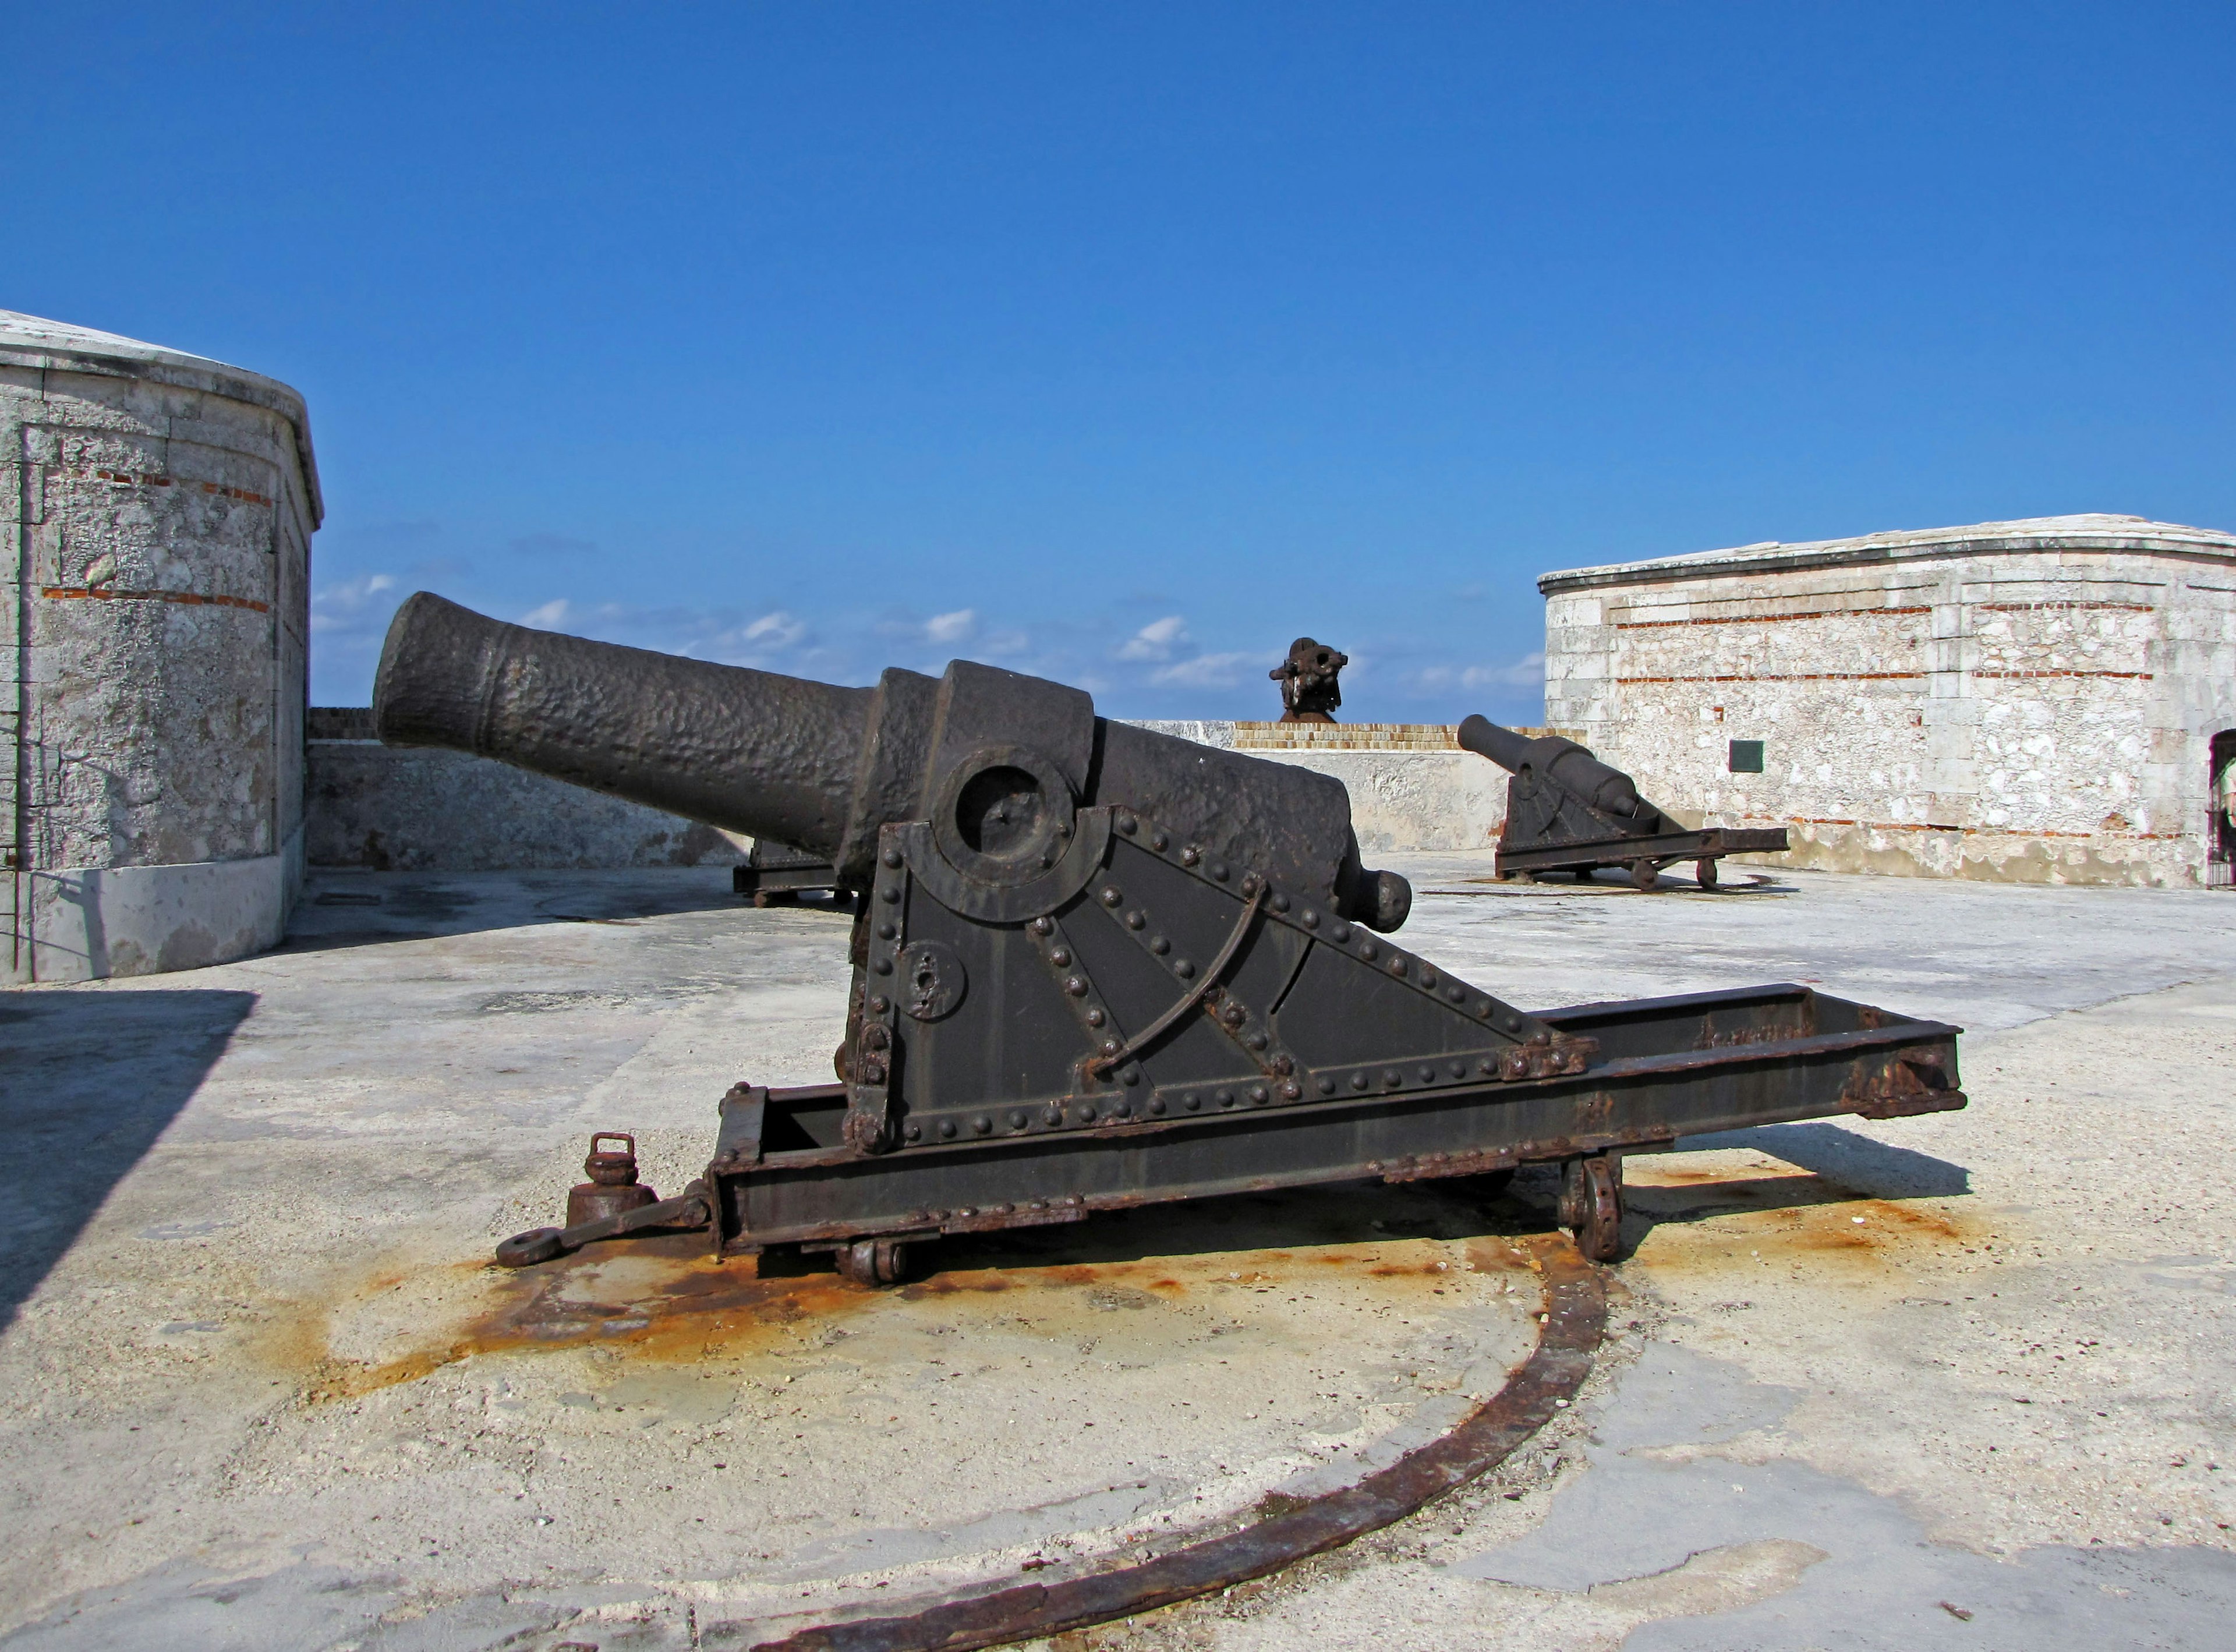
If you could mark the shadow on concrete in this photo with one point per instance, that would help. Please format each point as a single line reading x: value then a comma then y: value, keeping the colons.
x: 343, y: 908
x: 1343, y: 1213
x: 1873, y: 1169
x: 91, y: 1080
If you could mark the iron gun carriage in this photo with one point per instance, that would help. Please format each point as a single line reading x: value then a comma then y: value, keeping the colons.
x: 1096, y: 967
x: 1566, y: 811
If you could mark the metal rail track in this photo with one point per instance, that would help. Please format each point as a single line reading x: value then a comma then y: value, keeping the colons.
x: 1575, y: 1319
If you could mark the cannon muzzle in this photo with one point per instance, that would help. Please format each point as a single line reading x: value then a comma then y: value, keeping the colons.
x: 996, y: 762
x: 1563, y: 761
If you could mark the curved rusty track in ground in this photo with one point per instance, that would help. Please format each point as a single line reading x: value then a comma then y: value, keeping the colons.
x: 1575, y: 1316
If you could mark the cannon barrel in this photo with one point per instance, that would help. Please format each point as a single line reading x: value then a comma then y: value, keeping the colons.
x: 751, y: 751
x: 1569, y: 765
x: 984, y: 752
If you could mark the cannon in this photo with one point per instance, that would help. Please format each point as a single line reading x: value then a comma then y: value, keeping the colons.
x: 1096, y: 967
x: 1566, y: 811
x: 778, y: 874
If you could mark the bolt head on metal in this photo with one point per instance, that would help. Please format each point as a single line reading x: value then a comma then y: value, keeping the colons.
x: 1059, y: 956
x: 1218, y: 870
x: 1127, y: 824
x: 1111, y: 897
x: 1096, y: 1018
x: 1368, y: 951
x: 892, y: 856
x: 1190, y: 855
x: 880, y: 1003
x: 1183, y: 969
x: 1043, y: 925
x: 1075, y: 986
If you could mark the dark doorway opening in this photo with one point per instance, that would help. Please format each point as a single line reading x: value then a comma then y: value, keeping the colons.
x: 2221, y: 827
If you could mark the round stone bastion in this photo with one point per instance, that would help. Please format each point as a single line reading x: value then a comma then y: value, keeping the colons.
x: 157, y: 564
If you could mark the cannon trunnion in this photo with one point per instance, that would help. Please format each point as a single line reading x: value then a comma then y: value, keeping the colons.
x: 1096, y: 967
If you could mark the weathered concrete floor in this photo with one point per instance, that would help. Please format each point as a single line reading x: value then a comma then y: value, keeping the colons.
x: 266, y: 1395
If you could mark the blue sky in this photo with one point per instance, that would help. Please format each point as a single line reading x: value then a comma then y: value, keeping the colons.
x: 1123, y: 344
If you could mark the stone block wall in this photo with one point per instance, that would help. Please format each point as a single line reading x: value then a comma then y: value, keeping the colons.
x: 2026, y: 701
x: 386, y: 808
x: 159, y: 510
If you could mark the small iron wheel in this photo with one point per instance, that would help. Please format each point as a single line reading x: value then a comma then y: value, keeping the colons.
x: 1705, y: 871
x: 874, y: 1262
x: 1645, y: 874
x: 1591, y: 1204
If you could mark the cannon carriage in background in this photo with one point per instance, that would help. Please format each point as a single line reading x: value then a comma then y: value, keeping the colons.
x: 1566, y: 811
x: 1096, y: 967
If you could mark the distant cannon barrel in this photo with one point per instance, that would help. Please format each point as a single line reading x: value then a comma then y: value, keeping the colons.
x: 1569, y: 765
x: 995, y: 760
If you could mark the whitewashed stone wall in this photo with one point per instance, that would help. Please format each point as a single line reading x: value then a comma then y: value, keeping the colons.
x: 2029, y: 700
x: 1411, y: 786
x: 156, y: 611
x: 391, y: 809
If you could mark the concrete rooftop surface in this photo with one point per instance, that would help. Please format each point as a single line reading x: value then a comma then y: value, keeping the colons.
x: 1961, y: 1380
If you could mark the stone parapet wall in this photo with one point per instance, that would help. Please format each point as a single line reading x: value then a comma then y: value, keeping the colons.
x: 1346, y: 737
x: 386, y: 808
x: 1411, y: 785
x: 406, y: 809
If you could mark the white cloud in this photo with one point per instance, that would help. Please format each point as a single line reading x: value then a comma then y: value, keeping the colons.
x: 777, y: 630
x: 1157, y: 640
x: 952, y: 628
x: 551, y: 614
x: 352, y: 603
x: 1528, y: 672
x: 1204, y: 671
